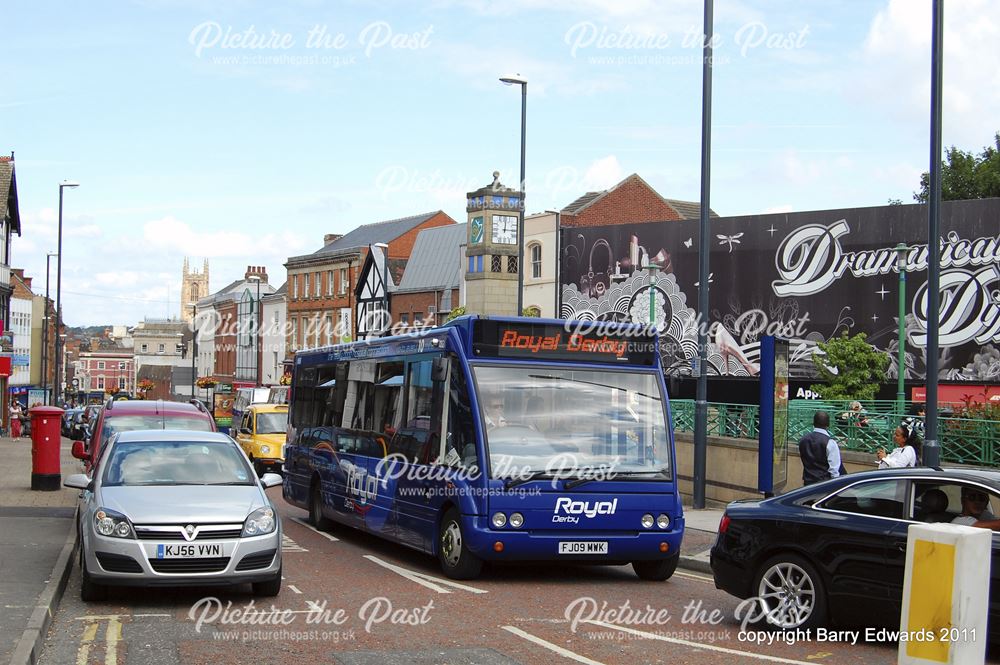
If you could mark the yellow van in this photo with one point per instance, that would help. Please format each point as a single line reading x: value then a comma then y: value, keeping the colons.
x: 261, y: 434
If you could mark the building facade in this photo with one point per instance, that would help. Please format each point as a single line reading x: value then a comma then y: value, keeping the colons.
x: 273, y: 336
x: 21, y: 309
x: 491, y: 271
x: 106, y: 371
x: 322, y: 307
x: 10, y: 223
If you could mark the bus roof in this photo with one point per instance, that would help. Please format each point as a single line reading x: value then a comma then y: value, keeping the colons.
x: 510, y: 338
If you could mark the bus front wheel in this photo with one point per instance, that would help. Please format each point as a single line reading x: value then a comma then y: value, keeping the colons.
x: 316, y: 516
x: 457, y: 561
x: 656, y: 571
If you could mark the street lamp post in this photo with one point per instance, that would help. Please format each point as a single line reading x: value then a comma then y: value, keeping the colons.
x: 517, y: 79
x: 901, y: 250
x: 58, y: 387
x: 256, y: 331
x: 194, y: 347
x: 652, y: 268
x: 46, y: 322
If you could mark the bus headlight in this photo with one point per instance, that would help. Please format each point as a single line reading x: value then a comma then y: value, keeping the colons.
x: 499, y: 520
x: 647, y: 521
x: 516, y: 520
x: 663, y: 521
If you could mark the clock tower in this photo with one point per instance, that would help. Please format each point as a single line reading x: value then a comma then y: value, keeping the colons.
x: 492, y: 249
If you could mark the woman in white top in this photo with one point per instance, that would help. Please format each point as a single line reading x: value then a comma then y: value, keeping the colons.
x: 906, y: 453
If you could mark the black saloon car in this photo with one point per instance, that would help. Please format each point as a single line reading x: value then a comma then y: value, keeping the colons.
x: 836, y: 551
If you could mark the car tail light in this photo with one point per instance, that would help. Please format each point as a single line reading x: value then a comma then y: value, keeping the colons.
x: 724, y: 523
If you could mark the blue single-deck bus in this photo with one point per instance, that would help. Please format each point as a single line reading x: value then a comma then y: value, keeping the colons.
x: 492, y: 439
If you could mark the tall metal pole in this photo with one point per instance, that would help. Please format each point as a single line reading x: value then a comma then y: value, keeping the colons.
x: 701, y: 397
x: 256, y: 336
x: 46, y: 323
x: 520, y: 216
x: 932, y: 451
x: 194, y: 346
x: 901, y: 250
x: 58, y: 386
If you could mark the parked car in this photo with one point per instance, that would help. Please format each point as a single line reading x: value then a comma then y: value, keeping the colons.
x: 67, y: 421
x: 836, y: 551
x: 121, y: 416
x: 176, y: 508
x: 261, y: 434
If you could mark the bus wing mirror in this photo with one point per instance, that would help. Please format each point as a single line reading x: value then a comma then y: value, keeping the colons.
x: 440, y: 368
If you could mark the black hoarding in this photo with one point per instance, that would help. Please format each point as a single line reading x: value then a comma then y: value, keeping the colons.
x: 804, y: 276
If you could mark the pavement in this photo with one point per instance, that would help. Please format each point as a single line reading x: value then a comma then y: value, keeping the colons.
x: 38, y: 548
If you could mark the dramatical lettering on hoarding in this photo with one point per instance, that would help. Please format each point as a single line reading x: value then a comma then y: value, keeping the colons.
x: 805, y: 276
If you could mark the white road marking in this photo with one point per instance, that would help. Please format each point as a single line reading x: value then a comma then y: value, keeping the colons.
x: 429, y: 581
x: 289, y: 545
x: 111, y: 639
x: 312, y: 528
x: 565, y: 653
x: 696, y: 645
x: 700, y: 578
x: 294, y: 589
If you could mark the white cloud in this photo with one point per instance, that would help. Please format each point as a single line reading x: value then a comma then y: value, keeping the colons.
x: 782, y: 208
x: 603, y: 173
x: 896, y: 57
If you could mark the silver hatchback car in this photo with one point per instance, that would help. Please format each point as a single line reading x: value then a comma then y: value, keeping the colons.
x: 176, y: 508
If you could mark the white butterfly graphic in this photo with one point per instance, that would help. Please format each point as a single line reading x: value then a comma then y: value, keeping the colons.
x: 689, y: 242
x: 732, y: 240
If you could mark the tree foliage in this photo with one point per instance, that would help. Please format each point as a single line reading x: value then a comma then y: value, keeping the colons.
x: 850, y: 368
x: 455, y: 313
x: 965, y: 175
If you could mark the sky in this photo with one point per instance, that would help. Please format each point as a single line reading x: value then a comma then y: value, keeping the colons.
x: 242, y: 131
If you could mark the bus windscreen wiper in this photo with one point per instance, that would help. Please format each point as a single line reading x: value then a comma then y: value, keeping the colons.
x: 534, y: 475
x: 621, y: 475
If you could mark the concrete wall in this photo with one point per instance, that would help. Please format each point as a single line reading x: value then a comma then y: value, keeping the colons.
x: 731, y: 468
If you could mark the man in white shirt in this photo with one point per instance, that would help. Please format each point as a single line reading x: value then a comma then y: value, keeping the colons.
x: 975, y: 510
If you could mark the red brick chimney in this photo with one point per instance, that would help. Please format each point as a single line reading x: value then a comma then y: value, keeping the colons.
x: 260, y: 271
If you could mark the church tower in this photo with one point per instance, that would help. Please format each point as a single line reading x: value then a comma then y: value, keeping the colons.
x: 491, y: 273
x: 194, y: 287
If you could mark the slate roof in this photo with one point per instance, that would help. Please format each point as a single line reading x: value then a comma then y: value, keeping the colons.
x: 8, y: 193
x: 369, y: 234
x: 582, y: 202
x: 689, y: 209
x: 434, y: 262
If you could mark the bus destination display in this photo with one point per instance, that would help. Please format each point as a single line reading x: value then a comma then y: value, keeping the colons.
x: 589, y: 343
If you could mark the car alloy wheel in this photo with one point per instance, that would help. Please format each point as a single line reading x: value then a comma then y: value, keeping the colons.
x: 790, y: 593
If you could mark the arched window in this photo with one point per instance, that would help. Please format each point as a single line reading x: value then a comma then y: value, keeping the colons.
x: 535, y: 252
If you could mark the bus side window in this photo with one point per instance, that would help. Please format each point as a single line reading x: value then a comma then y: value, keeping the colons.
x: 460, y: 448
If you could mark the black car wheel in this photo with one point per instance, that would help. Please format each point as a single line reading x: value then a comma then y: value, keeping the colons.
x: 656, y: 571
x: 90, y: 591
x: 457, y: 561
x: 316, y: 516
x: 268, y: 588
x: 789, y: 594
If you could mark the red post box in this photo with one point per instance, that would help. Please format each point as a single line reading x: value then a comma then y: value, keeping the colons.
x: 46, y: 471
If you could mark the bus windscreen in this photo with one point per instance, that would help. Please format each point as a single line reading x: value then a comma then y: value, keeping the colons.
x: 585, y: 342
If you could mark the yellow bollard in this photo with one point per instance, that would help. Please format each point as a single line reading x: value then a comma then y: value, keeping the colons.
x: 945, y: 595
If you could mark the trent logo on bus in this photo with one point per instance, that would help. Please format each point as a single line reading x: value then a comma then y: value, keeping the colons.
x: 573, y: 509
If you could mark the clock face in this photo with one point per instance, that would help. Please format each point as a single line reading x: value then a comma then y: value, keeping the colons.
x: 505, y: 229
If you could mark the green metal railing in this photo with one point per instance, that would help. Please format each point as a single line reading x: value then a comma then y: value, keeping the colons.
x: 963, y: 441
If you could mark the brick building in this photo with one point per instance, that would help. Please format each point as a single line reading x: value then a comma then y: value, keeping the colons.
x: 106, y: 370
x: 632, y: 201
x: 321, y: 302
x: 430, y: 285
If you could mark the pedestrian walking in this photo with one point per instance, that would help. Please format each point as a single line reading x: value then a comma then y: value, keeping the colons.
x: 819, y: 453
x: 16, y: 413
